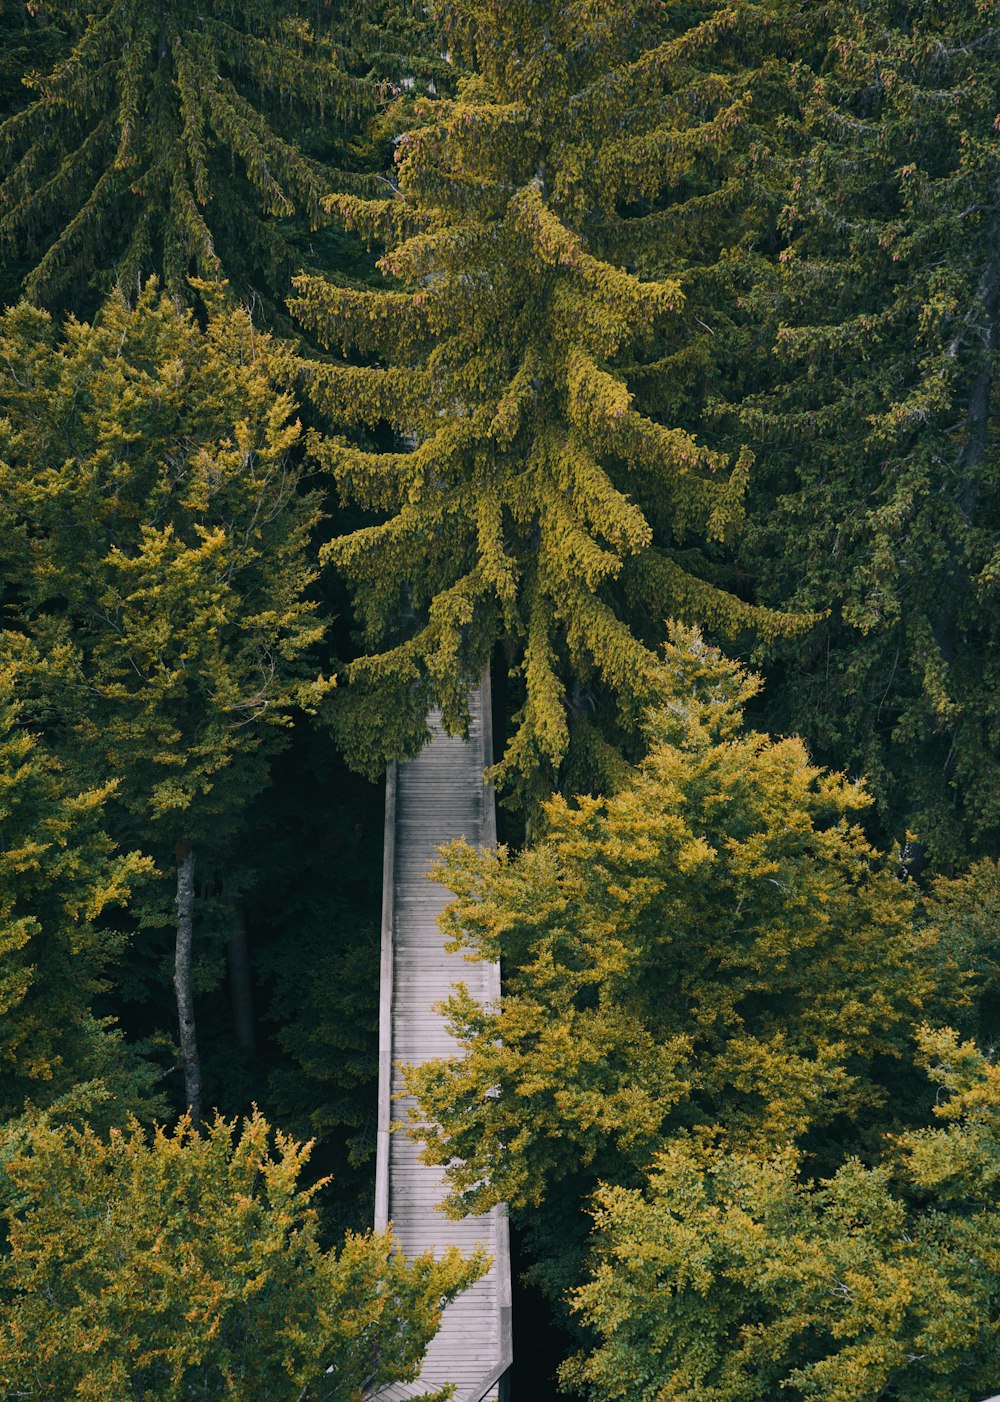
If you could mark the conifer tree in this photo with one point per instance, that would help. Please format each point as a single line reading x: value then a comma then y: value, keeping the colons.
x: 28, y: 41
x: 713, y: 950
x: 156, y: 544
x: 732, y: 1276
x: 59, y: 876
x: 541, y: 230
x: 175, y: 138
x: 878, y: 464
x: 174, y: 1266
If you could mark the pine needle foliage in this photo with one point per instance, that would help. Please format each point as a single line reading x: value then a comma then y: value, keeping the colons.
x: 878, y: 463
x: 525, y: 495
x: 171, y: 138
x: 28, y: 41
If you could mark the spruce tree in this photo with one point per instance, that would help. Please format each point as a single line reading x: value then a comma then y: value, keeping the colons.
x: 179, y: 139
x: 29, y: 40
x: 155, y: 541
x: 877, y: 462
x: 540, y: 229
x: 714, y: 951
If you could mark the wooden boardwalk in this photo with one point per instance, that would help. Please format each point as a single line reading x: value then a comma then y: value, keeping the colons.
x: 430, y: 800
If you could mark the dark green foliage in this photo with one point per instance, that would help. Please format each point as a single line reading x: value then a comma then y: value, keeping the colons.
x: 965, y: 912
x: 29, y: 40
x: 313, y: 922
x: 175, y: 138
x: 876, y: 484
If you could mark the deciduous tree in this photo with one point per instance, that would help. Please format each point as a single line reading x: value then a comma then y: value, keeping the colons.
x: 60, y: 875
x: 730, y: 1276
x: 714, y: 948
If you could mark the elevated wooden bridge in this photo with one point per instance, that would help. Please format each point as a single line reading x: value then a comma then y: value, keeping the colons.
x: 431, y: 800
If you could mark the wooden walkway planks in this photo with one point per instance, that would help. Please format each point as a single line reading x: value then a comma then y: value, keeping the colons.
x: 430, y: 800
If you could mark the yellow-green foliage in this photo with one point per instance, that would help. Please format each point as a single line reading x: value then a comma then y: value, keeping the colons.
x: 731, y: 1278
x: 175, y: 1266
x: 155, y: 541
x: 536, y: 488
x: 714, y: 949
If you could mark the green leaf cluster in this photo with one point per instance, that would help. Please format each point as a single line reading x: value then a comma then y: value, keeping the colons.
x: 729, y: 1277
x: 60, y: 877
x: 714, y: 949
x: 156, y: 546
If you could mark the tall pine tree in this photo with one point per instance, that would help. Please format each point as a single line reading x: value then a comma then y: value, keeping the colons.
x: 540, y: 231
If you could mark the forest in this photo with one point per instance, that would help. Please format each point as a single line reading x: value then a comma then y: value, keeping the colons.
x: 643, y: 351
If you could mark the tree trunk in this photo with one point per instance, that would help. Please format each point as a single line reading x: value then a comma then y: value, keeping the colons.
x: 240, y: 983
x: 182, y: 981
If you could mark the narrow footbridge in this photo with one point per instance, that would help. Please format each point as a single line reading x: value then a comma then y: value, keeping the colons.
x: 431, y: 800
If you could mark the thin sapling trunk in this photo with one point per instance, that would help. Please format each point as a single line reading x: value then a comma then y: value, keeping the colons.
x: 182, y: 981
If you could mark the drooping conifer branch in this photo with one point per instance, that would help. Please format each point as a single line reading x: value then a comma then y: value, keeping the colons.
x: 170, y: 139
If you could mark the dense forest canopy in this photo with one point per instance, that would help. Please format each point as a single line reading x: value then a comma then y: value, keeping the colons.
x: 646, y: 351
